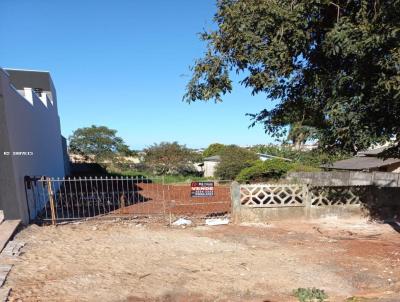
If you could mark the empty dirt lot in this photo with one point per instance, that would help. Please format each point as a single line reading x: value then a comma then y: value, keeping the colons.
x: 139, y: 261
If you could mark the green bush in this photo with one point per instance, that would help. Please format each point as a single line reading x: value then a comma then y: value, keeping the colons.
x: 264, y: 170
x: 233, y: 160
x: 310, y: 294
x: 272, y: 169
x: 297, y: 167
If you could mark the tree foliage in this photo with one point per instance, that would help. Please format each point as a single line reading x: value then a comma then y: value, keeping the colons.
x: 98, y: 142
x: 233, y: 160
x: 300, y: 134
x: 314, y: 158
x: 169, y: 158
x: 213, y: 149
x: 272, y: 169
x: 330, y: 65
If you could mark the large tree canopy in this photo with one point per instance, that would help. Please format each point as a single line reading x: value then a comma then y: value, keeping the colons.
x: 333, y: 65
x: 170, y: 158
x: 98, y: 142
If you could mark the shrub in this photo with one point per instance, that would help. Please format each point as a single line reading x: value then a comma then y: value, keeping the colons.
x: 233, y: 160
x: 297, y: 167
x: 264, y: 170
x: 272, y: 169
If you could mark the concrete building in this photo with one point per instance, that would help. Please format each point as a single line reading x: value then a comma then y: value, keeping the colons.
x: 210, y: 164
x: 30, y: 137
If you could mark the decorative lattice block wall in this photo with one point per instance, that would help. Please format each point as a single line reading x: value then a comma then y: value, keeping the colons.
x: 332, y: 196
x: 282, y: 195
x: 272, y: 195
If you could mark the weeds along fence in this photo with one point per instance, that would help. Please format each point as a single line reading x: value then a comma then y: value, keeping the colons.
x: 63, y: 199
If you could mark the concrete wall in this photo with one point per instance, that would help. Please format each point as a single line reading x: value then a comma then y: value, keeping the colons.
x: 67, y: 163
x: 209, y: 168
x: 383, y: 179
x: 30, y: 124
x: 376, y: 203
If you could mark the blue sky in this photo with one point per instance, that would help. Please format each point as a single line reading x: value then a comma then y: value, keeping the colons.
x: 124, y: 64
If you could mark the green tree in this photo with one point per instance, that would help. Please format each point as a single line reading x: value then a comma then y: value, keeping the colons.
x: 213, y: 149
x: 233, y: 160
x: 99, y: 143
x: 300, y: 134
x: 331, y: 65
x: 170, y: 158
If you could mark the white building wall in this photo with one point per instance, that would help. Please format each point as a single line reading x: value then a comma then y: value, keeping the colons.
x: 209, y: 168
x: 31, y: 125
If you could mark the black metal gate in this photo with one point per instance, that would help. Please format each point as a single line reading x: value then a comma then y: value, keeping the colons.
x: 63, y: 199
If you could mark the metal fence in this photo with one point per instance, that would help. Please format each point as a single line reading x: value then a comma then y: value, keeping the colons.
x: 63, y: 199
x: 76, y: 198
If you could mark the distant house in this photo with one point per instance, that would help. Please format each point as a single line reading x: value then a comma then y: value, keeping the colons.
x: 367, y: 161
x: 210, y: 164
x: 264, y: 157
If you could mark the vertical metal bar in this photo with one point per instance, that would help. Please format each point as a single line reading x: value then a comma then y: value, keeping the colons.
x: 62, y: 185
x: 66, y: 195
x: 141, y: 195
x: 127, y: 188
x: 140, y: 183
x: 102, y: 194
x: 91, y: 196
x: 71, y: 196
x: 108, y: 195
x: 54, y: 181
x: 87, y: 196
x: 117, y: 194
x: 112, y: 192
x: 133, y: 190
x: 44, y: 198
x: 77, y: 198
x: 123, y: 193
x: 34, y: 197
x: 161, y: 185
x: 163, y: 194
x: 28, y: 196
x: 97, y: 192
x: 82, y: 198
x: 51, y: 200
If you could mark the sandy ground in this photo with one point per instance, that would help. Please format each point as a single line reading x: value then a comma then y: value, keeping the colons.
x: 139, y: 261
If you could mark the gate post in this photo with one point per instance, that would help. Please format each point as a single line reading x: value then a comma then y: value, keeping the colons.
x: 51, y: 200
x: 235, y: 201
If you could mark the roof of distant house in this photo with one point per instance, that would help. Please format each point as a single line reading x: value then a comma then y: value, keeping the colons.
x: 372, y: 152
x: 361, y: 163
x: 272, y: 156
x: 215, y: 158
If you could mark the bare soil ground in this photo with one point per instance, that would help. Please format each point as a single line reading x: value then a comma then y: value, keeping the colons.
x: 132, y: 261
